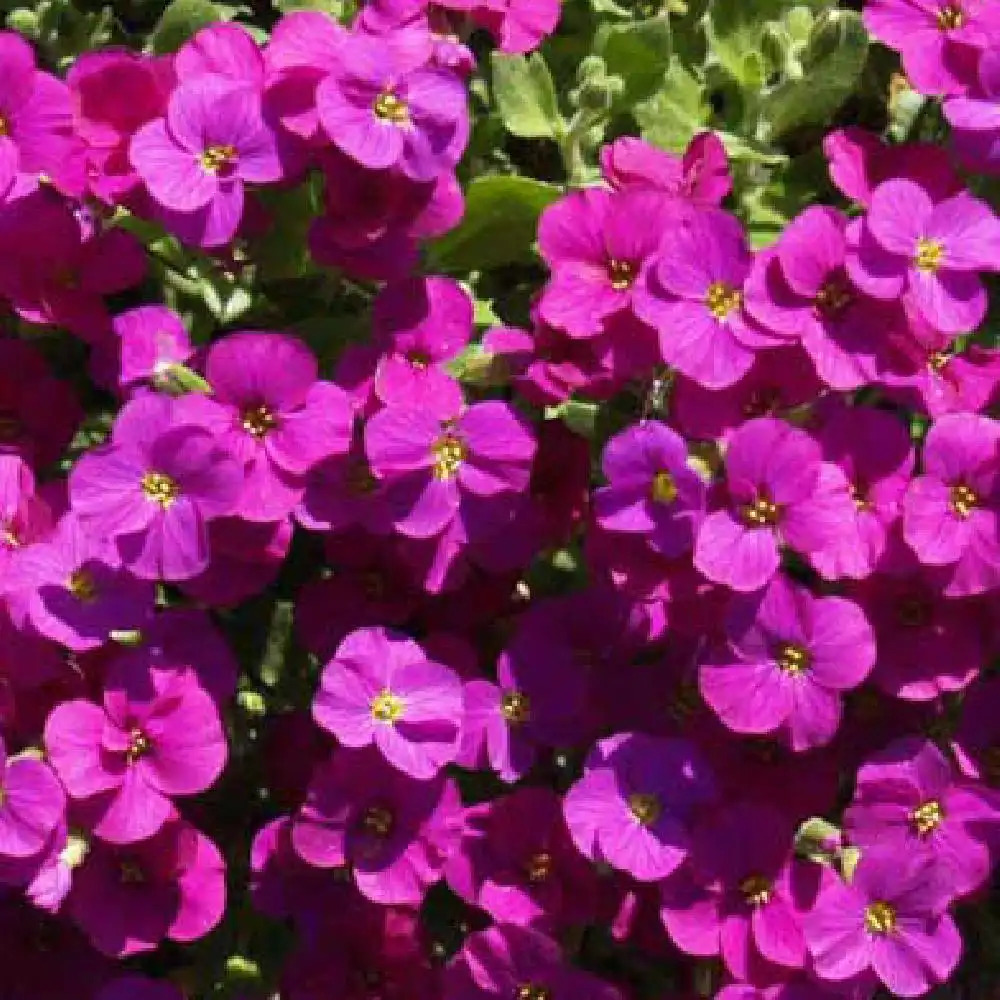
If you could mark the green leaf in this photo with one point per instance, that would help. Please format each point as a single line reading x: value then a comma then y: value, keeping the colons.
x: 672, y: 116
x: 736, y: 33
x: 639, y: 52
x: 831, y: 68
x: 335, y: 8
x: 501, y: 216
x: 181, y: 20
x: 526, y: 96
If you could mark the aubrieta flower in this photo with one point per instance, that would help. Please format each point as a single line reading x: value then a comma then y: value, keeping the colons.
x: 951, y: 513
x: 517, y: 25
x: 509, y: 961
x: 32, y: 805
x: 196, y: 161
x: 778, y: 492
x: 631, y: 807
x: 975, y: 117
x: 651, y: 489
x: 928, y: 250
x: 393, y: 832
x: 910, y: 801
x: 156, y: 735
x: 892, y: 919
x: 788, y: 657
x: 382, y: 689
x: 383, y: 111
x: 151, y: 340
x: 270, y: 410
x: 154, y: 487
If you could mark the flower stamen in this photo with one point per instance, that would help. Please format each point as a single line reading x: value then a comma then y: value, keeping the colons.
x: 664, y: 488
x: 387, y: 707
x: 762, y: 513
x: 792, y: 660
x: 160, y: 488
x: 880, y: 918
x: 259, y: 420
x: 378, y: 821
x: 756, y: 890
x: 722, y: 299
x: 963, y: 500
x: 622, y: 274
x: 645, y: 807
x: 950, y: 17
x: 82, y: 586
x: 516, y: 708
x: 927, y: 817
x: 930, y: 255
x: 449, y: 453
x: 217, y: 158
x: 390, y: 108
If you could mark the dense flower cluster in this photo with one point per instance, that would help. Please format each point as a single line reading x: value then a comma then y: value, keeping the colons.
x: 752, y: 723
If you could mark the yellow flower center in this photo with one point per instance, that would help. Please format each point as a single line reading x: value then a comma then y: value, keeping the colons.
x: 160, y: 488
x: 722, y: 299
x: 832, y: 299
x: 138, y: 746
x: 4, y: 126
x: 880, y: 918
x: 540, y: 867
x: 259, y: 420
x: 859, y: 494
x: 963, y: 500
x: 389, y: 108
x: 644, y: 807
x: 756, y: 890
x: 930, y: 255
x: 938, y: 361
x: 926, y: 818
x: 418, y: 360
x: 762, y: 513
x: 532, y: 991
x: 387, y: 707
x: 792, y: 659
x: 664, y: 488
x: 449, y: 453
x: 622, y: 274
x: 378, y: 821
x: 950, y: 17
x: 81, y: 585
x: 516, y: 708
x: 216, y: 158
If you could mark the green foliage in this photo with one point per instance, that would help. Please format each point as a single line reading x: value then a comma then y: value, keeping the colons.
x: 526, y: 96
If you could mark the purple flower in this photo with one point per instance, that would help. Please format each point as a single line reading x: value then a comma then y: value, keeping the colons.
x: 788, y: 657
x: 196, y: 161
x: 908, y: 801
x: 518, y: 863
x: 630, y: 808
x: 157, y: 735
x: 273, y: 414
x: 509, y: 961
x: 470, y: 467
x: 930, y: 250
x: 419, y: 324
x: 380, y: 688
x: 32, y: 804
x: 596, y: 243
x: 801, y: 289
x: 341, y: 493
x: 651, y: 490
x: 939, y: 40
x: 139, y: 988
x: 394, y: 832
x: 951, y: 514
x: 891, y: 919
x: 153, y: 488
x: 779, y: 492
x: 77, y: 591
x: 128, y: 899
x: 382, y: 111
x: 692, y: 293
x: 151, y: 340
x: 742, y: 894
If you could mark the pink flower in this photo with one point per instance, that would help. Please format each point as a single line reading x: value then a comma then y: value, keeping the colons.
x: 32, y: 805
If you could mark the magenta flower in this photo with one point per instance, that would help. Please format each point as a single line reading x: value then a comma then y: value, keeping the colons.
x: 742, y: 894
x: 470, y: 467
x: 32, y: 805
x: 518, y: 863
x: 930, y: 250
x: 596, y: 243
x: 939, y: 40
x: 802, y: 290
x: 157, y: 735
x: 128, y: 899
x: 380, y: 688
x: 517, y: 25
x: 630, y: 808
x: 154, y: 487
x: 788, y: 657
x: 651, y: 490
x: 779, y: 492
x: 341, y: 493
x: 77, y: 591
x: 273, y: 414
x: 891, y: 919
x: 36, y: 122
x: 382, y: 111
x: 951, y: 513
x: 196, y: 161
x: 908, y: 800
x: 394, y: 832
x: 510, y: 961
x: 701, y: 177
x: 151, y: 340
x: 139, y: 988
x: 975, y: 118
x: 419, y: 324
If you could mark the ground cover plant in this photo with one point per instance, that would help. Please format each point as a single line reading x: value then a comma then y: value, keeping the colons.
x: 499, y: 499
